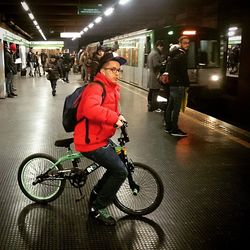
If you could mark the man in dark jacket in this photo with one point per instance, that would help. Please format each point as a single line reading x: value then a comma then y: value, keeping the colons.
x: 10, y: 69
x: 65, y: 64
x: 103, y: 117
x: 178, y: 76
x: 94, y: 66
x: 154, y: 65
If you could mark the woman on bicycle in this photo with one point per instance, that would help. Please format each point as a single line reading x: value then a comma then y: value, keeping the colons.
x: 102, y: 119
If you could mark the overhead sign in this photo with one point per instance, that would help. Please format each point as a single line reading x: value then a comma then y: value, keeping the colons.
x: 89, y: 10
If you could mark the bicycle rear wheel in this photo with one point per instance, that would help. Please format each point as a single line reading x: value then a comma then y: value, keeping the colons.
x: 48, y: 189
x: 146, y: 198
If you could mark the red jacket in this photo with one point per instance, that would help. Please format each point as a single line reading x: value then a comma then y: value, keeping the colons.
x: 101, y: 114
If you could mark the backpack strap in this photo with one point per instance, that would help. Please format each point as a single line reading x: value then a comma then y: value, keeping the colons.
x: 87, y: 140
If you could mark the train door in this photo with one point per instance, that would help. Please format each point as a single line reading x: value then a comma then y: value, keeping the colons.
x: 232, y: 58
x: 209, y: 73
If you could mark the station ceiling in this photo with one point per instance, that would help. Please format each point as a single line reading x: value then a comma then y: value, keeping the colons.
x: 56, y: 16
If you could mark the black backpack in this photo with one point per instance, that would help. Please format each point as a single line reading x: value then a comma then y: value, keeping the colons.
x: 71, y: 103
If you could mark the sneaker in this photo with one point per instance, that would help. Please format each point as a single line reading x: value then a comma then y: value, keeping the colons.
x: 10, y: 96
x: 178, y: 133
x: 14, y: 94
x: 167, y: 130
x: 102, y: 216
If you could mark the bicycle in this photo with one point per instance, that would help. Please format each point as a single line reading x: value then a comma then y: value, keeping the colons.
x: 42, y: 178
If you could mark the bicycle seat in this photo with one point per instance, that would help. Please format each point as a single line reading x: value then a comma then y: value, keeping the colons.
x: 64, y: 143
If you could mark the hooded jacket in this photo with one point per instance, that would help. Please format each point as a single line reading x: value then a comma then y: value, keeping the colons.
x: 102, y: 114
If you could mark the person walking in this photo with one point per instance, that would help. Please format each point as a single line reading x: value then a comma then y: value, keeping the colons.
x: 65, y: 64
x: 179, y: 81
x: 102, y: 118
x: 154, y: 64
x: 54, y: 72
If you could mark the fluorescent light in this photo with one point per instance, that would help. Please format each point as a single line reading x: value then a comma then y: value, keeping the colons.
x: 170, y: 33
x: 25, y: 6
x: 81, y: 33
x: 98, y: 19
x: 35, y: 22
x: 91, y: 25
x: 122, y: 2
x: 31, y: 16
x: 189, y: 32
x: 85, y: 29
x: 109, y: 11
x: 70, y: 34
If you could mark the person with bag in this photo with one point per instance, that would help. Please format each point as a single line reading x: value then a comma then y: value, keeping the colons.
x: 54, y: 72
x: 102, y: 117
x: 179, y: 82
x: 10, y: 69
x: 154, y: 64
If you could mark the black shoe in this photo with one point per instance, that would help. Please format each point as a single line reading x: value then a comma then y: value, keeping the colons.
x: 10, y: 96
x: 177, y: 133
x: 14, y: 94
x: 167, y: 130
x: 102, y: 216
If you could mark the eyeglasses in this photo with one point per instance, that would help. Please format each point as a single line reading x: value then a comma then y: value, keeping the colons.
x: 114, y: 70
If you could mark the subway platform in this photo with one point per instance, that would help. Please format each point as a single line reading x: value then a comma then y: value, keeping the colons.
x: 206, y: 179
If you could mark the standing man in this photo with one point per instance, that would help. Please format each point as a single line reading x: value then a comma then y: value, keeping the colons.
x: 94, y: 66
x: 65, y: 64
x: 44, y: 57
x: 10, y: 69
x: 102, y: 118
x: 154, y: 64
x: 31, y: 60
x: 179, y: 80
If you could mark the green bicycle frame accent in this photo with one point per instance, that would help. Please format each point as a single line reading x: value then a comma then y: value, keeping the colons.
x: 70, y: 156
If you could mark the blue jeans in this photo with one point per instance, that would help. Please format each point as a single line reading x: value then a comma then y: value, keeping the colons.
x: 112, y: 179
x: 174, y: 106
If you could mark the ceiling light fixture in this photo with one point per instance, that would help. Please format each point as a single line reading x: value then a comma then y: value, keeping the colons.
x: 98, y: 19
x: 31, y: 16
x: 91, y: 25
x: 122, y: 2
x: 25, y: 6
x: 109, y: 11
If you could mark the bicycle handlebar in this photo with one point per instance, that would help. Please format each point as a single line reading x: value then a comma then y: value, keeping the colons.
x: 124, y: 132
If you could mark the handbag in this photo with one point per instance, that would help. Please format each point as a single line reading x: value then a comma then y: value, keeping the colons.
x: 164, y: 78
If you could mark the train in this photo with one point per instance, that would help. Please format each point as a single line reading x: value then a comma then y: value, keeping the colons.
x: 204, y: 60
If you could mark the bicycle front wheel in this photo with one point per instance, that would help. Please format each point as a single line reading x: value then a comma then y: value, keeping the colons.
x: 48, y: 189
x: 147, y: 196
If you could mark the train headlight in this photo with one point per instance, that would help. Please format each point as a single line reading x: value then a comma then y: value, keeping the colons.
x: 215, y: 78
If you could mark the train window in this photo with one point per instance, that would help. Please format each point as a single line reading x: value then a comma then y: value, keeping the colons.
x: 208, y: 53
